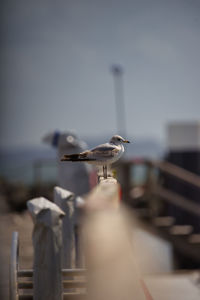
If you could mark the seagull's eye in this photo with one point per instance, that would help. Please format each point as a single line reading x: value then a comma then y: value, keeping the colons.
x: 119, y: 139
x: 70, y: 139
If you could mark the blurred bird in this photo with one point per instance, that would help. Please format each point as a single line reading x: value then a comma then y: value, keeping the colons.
x: 103, y: 155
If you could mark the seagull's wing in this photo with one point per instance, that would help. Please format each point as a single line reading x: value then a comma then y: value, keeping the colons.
x: 100, y: 153
x: 104, y: 151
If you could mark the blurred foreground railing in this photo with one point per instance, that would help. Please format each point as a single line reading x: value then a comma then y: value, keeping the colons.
x: 106, y: 243
x: 21, y: 280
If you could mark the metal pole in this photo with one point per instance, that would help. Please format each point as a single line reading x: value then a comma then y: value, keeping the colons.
x: 119, y: 99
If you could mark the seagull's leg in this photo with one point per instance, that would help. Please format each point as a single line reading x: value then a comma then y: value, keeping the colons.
x: 105, y: 172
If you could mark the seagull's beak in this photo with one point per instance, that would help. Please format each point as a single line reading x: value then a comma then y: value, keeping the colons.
x: 125, y: 141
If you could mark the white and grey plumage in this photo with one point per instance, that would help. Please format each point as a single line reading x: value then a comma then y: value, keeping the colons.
x: 104, y: 154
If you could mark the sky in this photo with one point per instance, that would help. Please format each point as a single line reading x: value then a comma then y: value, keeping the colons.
x: 56, y: 59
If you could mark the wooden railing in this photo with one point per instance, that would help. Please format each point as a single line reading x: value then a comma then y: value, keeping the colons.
x: 152, y: 182
x: 168, y: 201
x: 108, y: 250
x: 21, y: 280
x: 177, y: 172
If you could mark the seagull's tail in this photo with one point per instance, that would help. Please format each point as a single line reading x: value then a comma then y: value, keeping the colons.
x: 71, y: 157
x: 76, y: 157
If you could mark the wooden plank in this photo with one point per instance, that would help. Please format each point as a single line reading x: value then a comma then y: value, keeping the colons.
x: 178, y: 200
x: 74, y: 296
x: 25, y: 273
x: 178, y: 172
x: 74, y: 284
x: 69, y: 284
x: 181, y: 229
x: 65, y: 272
x: 163, y: 221
x: 73, y: 272
x: 194, y: 238
x: 25, y: 285
x: 180, y: 242
x: 25, y: 297
x: 66, y: 296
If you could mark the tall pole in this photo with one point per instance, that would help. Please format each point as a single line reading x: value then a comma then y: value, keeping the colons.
x: 117, y: 72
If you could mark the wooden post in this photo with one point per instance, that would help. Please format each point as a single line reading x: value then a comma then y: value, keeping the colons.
x: 79, y: 255
x: 47, y: 243
x: 124, y: 178
x: 107, y: 236
x: 13, y: 292
x: 153, y: 203
x: 66, y: 201
x: 72, y: 255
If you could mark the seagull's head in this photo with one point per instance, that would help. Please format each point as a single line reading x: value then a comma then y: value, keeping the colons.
x: 118, y: 140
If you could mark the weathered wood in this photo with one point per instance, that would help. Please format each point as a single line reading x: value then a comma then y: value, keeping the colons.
x: 23, y: 279
x: 105, y: 195
x: 13, y: 291
x: 65, y: 272
x: 107, y: 237
x: 66, y: 201
x: 26, y: 297
x: 124, y: 178
x: 178, y: 200
x: 72, y: 284
x: 47, y: 243
x: 75, y: 296
x: 194, y: 238
x: 166, y: 221
x: 67, y: 284
x: 25, y: 285
x: 66, y: 296
x: 178, y: 172
x: 181, y: 229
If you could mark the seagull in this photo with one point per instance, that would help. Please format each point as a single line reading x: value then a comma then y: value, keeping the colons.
x: 103, y: 155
